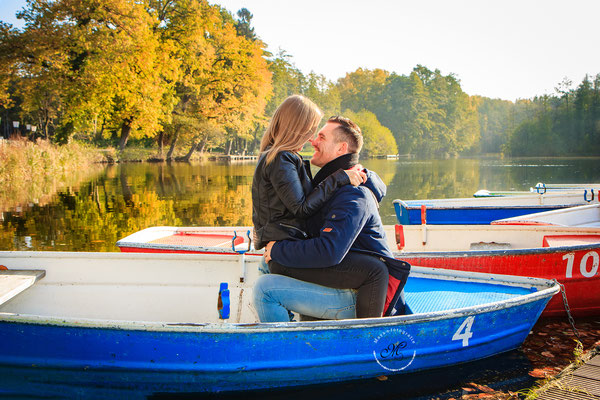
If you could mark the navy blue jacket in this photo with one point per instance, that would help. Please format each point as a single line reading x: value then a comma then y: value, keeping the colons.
x: 349, y: 221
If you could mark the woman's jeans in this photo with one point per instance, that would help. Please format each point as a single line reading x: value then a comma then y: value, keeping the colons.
x: 275, y: 294
x: 365, y: 273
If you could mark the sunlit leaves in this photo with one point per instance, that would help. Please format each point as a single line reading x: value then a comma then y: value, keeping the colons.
x: 377, y: 139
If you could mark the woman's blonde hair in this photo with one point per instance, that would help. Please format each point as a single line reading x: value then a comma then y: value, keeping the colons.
x: 293, y: 123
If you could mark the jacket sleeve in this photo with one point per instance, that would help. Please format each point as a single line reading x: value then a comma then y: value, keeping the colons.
x: 376, y: 185
x: 285, y: 178
x: 341, y: 227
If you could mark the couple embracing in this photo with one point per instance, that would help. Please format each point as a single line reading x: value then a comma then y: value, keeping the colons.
x: 326, y: 254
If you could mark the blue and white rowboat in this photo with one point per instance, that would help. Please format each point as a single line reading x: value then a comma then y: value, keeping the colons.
x: 483, y: 210
x: 150, y: 322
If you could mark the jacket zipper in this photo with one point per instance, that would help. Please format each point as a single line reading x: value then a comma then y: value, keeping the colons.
x: 293, y: 227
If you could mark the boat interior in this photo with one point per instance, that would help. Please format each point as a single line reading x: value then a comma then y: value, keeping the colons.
x: 491, y: 237
x: 112, y: 288
x: 581, y: 216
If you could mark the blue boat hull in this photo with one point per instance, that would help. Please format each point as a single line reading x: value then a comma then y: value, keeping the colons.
x: 256, y: 356
x: 411, y: 214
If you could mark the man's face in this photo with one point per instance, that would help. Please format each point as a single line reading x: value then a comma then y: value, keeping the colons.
x: 326, y: 149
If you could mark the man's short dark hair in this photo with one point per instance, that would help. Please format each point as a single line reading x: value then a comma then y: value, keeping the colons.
x: 347, y: 131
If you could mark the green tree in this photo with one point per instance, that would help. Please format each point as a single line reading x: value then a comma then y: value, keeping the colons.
x: 286, y: 80
x: 377, y: 139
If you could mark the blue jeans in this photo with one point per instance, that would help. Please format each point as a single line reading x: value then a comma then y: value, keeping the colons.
x: 263, y: 267
x: 275, y: 294
x: 366, y: 273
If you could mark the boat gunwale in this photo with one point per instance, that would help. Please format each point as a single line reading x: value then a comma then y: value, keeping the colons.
x: 498, y: 252
x: 195, y: 249
x: 417, y: 207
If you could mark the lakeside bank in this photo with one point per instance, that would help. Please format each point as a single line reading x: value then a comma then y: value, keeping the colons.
x: 33, y: 172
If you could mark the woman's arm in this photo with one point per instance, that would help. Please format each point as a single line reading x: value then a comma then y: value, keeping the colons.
x: 285, y: 178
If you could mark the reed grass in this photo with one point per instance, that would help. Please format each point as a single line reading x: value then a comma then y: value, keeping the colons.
x: 31, y: 173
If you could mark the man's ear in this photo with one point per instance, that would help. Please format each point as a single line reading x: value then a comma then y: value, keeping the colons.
x: 342, y: 148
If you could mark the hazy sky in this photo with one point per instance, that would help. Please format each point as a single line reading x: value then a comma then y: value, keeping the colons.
x: 505, y: 49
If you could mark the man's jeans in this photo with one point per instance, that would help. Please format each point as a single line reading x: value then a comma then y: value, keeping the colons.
x: 366, y: 273
x: 275, y: 294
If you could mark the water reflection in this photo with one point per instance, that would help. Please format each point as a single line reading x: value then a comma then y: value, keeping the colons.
x: 503, y: 372
x: 130, y: 197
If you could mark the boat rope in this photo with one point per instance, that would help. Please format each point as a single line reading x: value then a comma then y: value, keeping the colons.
x: 568, y: 310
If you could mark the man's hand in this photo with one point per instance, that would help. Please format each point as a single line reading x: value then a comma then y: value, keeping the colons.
x: 268, y: 248
x: 356, y: 174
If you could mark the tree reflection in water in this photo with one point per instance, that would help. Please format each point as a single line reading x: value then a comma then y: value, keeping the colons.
x: 130, y: 197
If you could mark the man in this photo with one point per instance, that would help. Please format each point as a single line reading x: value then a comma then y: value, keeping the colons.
x: 347, y: 242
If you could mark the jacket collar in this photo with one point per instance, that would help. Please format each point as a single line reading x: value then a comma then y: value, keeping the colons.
x: 345, y: 161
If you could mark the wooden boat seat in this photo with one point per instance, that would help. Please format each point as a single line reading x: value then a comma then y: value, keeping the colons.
x: 14, y: 281
x: 569, y: 240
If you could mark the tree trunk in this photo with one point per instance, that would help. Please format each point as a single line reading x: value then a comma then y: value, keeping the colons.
x: 161, y: 144
x: 188, y: 156
x: 202, y: 145
x: 229, y: 145
x: 46, y: 125
x: 100, y: 133
x: 125, y: 131
x: 172, y: 148
x: 125, y: 188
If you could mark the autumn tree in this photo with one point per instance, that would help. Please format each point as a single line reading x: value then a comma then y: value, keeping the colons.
x: 7, y: 43
x: 86, y: 61
x: 362, y: 89
x: 224, y: 79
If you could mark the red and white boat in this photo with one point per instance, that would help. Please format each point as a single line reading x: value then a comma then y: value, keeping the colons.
x: 205, y: 240
x: 571, y: 255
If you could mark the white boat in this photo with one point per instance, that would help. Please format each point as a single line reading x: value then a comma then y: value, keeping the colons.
x: 580, y: 216
x: 541, y: 187
x: 483, y: 210
x: 590, y: 190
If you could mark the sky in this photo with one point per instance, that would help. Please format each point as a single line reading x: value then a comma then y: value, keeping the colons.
x: 508, y: 49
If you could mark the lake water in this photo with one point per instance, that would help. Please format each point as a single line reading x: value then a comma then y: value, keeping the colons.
x: 126, y: 198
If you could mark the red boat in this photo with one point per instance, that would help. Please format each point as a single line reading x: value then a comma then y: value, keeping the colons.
x: 571, y: 255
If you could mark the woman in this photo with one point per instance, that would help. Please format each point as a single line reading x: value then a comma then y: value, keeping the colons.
x: 283, y: 195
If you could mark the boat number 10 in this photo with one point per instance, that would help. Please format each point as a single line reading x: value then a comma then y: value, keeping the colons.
x: 586, y: 270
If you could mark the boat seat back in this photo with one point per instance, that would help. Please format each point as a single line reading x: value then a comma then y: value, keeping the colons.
x: 569, y: 240
x: 13, y: 282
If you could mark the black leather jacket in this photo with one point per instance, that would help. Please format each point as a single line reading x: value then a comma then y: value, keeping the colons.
x: 283, y: 197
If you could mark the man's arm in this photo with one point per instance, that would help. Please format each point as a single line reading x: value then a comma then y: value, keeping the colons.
x: 342, y: 224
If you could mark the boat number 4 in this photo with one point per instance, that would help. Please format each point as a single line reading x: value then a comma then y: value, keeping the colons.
x: 464, y: 331
x: 583, y: 264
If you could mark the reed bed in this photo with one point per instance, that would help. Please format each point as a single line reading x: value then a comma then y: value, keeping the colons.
x: 31, y: 173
